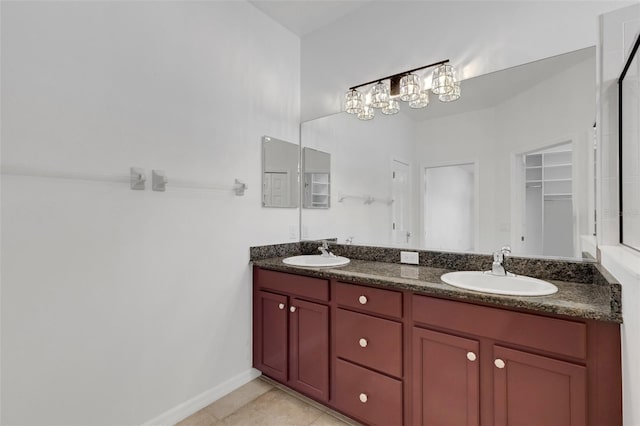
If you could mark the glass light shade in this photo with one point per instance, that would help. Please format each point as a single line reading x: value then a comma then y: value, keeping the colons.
x: 392, y: 108
x: 353, y: 102
x: 367, y: 112
x: 380, y: 95
x: 442, y: 79
x: 422, y: 101
x: 453, y: 95
x: 409, y: 87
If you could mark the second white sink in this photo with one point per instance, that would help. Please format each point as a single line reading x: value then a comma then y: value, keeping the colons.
x: 485, y: 282
x: 316, y: 260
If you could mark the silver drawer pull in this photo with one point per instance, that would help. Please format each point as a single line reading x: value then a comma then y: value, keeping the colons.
x: 363, y: 343
x: 363, y: 300
x: 281, y: 306
x: 499, y: 363
x: 471, y: 356
x: 363, y: 397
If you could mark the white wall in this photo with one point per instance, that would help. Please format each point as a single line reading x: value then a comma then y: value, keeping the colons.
x: 618, y: 31
x: 386, y: 37
x: 118, y: 305
x: 361, y: 155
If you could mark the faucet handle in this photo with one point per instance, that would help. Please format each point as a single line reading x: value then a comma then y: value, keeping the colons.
x: 506, y: 250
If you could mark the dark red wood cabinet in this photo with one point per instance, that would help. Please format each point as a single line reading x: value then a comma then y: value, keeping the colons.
x: 389, y: 357
x: 291, y: 335
x: 536, y: 390
x: 446, y: 378
x: 272, y: 357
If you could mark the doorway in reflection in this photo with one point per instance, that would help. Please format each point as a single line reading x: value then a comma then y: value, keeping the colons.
x: 548, y: 211
x: 449, y: 206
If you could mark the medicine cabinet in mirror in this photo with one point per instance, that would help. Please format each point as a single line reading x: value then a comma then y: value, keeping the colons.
x: 316, y: 166
x: 629, y: 164
x: 509, y: 163
x: 280, y: 170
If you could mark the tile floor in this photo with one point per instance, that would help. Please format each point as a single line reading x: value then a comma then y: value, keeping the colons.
x: 263, y: 403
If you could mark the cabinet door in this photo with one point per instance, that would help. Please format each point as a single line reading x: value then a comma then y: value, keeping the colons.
x: 446, y: 379
x: 536, y: 390
x: 271, y: 349
x: 310, y: 348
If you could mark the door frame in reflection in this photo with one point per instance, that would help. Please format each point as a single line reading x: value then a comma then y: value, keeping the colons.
x: 401, y: 229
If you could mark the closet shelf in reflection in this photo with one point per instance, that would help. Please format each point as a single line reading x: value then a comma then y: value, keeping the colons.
x: 367, y: 199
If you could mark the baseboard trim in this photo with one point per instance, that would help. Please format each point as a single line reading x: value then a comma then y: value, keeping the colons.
x: 187, y: 408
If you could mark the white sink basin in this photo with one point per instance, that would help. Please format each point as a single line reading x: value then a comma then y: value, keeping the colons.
x: 486, y: 282
x: 316, y: 260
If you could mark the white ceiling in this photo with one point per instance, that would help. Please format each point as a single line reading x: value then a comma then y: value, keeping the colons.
x: 305, y: 16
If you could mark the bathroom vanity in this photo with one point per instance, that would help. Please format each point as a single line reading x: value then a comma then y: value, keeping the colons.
x: 390, y: 344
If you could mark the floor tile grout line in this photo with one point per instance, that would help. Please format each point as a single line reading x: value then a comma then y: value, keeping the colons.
x: 336, y: 415
x: 248, y: 402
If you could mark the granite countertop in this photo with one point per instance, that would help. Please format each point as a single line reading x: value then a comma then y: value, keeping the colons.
x: 582, y: 300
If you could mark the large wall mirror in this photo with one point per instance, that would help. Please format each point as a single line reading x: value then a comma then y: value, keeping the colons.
x: 510, y: 162
x: 280, y: 173
x: 629, y: 96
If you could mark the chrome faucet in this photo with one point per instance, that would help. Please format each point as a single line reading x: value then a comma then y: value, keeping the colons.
x: 324, y: 248
x: 498, y: 261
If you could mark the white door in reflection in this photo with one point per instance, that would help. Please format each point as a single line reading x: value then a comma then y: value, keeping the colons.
x: 400, y: 208
x: 276, y: 189
x: 449, y: 204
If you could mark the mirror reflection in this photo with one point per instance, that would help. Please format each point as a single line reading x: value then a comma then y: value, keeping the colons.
x: 316, y: 166
x: 280, y: 161
x: 510, y: 163
x: 630, y: 149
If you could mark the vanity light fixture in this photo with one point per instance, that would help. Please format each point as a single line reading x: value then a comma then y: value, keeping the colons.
x: 405, y: 86
x: 453, y: 95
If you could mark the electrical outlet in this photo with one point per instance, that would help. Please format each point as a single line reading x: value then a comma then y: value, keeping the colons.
x: 409, y: 257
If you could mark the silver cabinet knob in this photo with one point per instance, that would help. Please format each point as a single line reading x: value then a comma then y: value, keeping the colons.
x: 363, y: 300
x: 292, y: 309
x: 363, y: 343
x: 363, y: 397
x: 281, y: 306
x: 499, y: 363
x: 471, y: 356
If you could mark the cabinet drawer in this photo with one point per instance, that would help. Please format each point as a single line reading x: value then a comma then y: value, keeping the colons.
x: 368, y: 396
x: 369, y: 341
x: 298, y: 285
x: 554, y: 335
x: 374, y: 300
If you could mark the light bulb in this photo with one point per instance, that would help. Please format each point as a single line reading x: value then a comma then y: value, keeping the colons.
x: 392, y: 108
x: 442, y: 79
x: 409, y: 87
x: 453, y: 95
x: 422, y: 101
x: 367, y: 113
x: 353, y: 102
x: 380, y: 95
